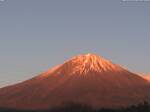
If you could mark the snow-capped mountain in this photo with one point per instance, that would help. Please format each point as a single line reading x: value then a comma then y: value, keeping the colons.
x: 87, y: 79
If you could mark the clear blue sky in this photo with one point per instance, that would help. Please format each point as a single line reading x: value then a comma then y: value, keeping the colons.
x: 38, y: 34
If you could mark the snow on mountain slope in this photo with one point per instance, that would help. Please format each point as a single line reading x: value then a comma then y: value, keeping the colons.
x: 83, y: 64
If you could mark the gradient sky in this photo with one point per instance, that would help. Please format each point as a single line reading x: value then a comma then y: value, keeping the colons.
x: 36, y: 35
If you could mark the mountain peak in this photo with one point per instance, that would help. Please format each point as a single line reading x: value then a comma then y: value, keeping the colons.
x: 83, y: 64
x: 91, y: 55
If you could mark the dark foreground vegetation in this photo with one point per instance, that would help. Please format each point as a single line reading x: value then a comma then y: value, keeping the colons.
x: 144, y: 107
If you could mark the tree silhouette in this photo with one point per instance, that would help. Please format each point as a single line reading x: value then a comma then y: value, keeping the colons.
x: 73, y: 107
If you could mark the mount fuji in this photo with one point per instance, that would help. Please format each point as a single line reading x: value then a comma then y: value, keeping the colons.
x: 86, y: 79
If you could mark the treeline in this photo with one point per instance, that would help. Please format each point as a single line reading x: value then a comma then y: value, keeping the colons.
x: 144, y: 107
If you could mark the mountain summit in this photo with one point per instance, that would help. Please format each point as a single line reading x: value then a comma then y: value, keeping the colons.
x: 85, y: 79
x: 83, y: 64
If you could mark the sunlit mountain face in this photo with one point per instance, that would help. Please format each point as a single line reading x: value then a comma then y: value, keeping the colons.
x: 144, y: 76
x: 85, y: 79
x: 147, y: 77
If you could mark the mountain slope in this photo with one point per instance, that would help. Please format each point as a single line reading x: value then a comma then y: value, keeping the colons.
x: 87, y: 79
x: 147, y: 77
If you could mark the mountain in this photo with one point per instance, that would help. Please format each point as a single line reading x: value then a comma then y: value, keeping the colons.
x: 147, y: 77
x: 86, y: 79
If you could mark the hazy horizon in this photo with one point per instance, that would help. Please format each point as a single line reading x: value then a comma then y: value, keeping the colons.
x: 37, y: 35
